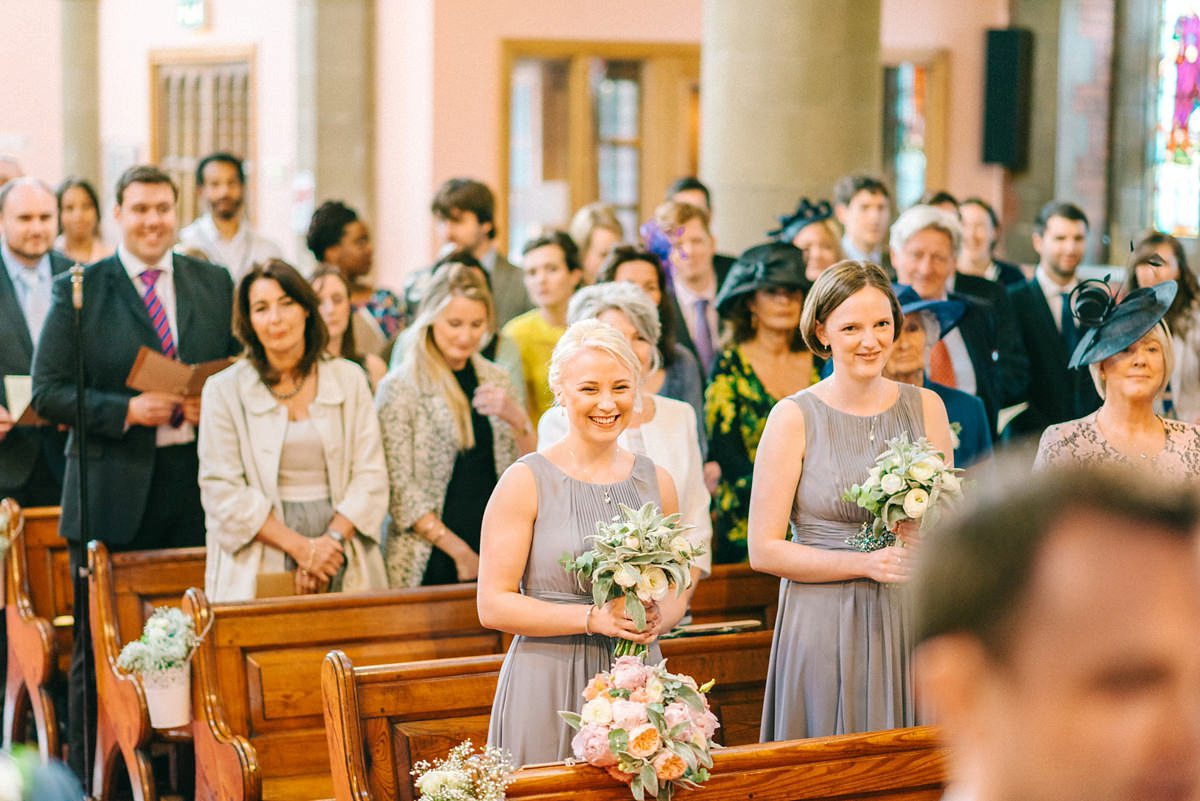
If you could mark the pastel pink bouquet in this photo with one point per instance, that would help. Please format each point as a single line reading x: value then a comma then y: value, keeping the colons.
x: 647, y: 727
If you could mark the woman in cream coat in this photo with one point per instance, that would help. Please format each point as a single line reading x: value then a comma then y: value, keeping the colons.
x: 292, y: 474
x: 451, y: 426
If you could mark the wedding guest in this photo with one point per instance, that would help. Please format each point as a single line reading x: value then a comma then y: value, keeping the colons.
x: 596, y: 231
x: 810, y: 228
x: 451, y: 424
x: 1129, y: 353
x: 840, y: 656
x: 545, y: 505
x: 79, y: 222
x: 678, y: 373
x: 662, y: 428
x: 292, y: 476
x: 980, y: 230
x: 765, y: 359
x: 334, y: 293
x: 926, y: 322
x: 552, y: 271
x: 1160, y: 257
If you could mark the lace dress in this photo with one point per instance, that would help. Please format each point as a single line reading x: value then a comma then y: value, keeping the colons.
x: 1081, y: 442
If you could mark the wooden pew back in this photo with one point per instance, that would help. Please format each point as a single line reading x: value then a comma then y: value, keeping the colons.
x: 381, y: 720
x: 734, y: 592
x: 257, y: 676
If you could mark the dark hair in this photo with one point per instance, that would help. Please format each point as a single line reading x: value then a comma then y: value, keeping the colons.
x: 1057, y: 208
x: 742, y: 326
x: 689, y: 183
x: 316, y: 337
x: 562, y: 241
x: 849, y: 186
x: 349, y: 349
x: 144, y: 174
x: 73, y: 182
x: 223, y: 158
x: 467, y: 259
x: 666, y: 309
x: 831, y: 290
x: 983, y: 204
x: 974, y: 570
x: 1178, y: 317
x: 328, y: 224
x: 938, y: 197
x: 465, y: 194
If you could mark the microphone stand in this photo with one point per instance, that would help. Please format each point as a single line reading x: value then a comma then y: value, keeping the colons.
x: 82, y: 627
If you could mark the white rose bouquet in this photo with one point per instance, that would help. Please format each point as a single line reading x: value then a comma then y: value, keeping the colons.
x: 640, y: 558
x: 646, y: 727
x: 910, y: 480
x: 167, y: 642
x: 464, y: 775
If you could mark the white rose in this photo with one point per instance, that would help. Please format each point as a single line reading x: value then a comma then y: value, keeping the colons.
x: 653, y: 585
x: 915, y: 502
x: 654, y: 691
x: 632, y: 541
x: 680, y: 545
x: 923, y: 471
x: 597, y: 710
x: 891, y: 483
x: 626, y: 576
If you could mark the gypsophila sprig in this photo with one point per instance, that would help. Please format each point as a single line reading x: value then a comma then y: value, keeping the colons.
x: 639, y: 555
x: 167, y: 641
x: 4, y: 521
x: 647, y: 727
x: 910, y: 480
x: 465, y: 775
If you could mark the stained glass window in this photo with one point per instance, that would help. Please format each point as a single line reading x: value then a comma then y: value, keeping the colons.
x: 1176, y: 162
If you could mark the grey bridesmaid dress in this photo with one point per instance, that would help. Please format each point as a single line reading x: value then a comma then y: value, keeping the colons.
x: 840, y: 657
x: 542, y: 675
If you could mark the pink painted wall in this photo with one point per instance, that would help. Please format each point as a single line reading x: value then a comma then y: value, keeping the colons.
x: 31, y: 87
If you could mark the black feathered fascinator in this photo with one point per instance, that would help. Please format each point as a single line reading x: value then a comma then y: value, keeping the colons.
x: 1109, y: 327
x: 805, y: 214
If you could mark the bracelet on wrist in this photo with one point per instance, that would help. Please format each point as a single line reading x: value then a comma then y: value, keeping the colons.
x: 587, y: 620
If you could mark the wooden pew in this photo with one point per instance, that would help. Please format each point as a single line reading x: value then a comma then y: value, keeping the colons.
x: 39, y: 594
x: 381, y: 720
x: 256, y: 682
x: 901, y: 764
x: 734, y: 592
x: 123, y: 590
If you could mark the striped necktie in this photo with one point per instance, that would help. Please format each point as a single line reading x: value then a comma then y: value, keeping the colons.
x: 158, y: 314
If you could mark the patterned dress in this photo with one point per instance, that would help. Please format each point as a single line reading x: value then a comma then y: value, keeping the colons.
x: 1081, y: 442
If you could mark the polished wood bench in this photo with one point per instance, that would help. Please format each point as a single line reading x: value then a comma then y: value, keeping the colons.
x: 259, y: 732
x: 39, y: 594
x: 124, y: 589
x: 734, y: 592
x: 381, y: 720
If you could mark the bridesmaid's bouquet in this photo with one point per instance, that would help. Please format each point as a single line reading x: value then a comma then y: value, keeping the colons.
x: 648, y: 728
x: 640, y: 557
x: 910, y: 480
x: 464, y: 775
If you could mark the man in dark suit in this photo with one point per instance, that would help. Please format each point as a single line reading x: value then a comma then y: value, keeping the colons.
x: 690, y: 189
x: 981, y: 356
x: 31, y: 458
x: 694, y: 279
x: 1056, y: 393
x: 863, y: 206
x: 141, y: 447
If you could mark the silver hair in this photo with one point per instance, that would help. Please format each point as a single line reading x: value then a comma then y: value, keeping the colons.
x: 933, y: 328
x: 922, y: 218
x: 629, y: 299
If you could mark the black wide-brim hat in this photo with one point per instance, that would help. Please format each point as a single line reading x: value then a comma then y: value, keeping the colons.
x: 947, y: 312
x: 773, y: 264
x: 1114, y: 327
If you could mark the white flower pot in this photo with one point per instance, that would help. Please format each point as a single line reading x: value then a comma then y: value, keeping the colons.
x: 169, y: 696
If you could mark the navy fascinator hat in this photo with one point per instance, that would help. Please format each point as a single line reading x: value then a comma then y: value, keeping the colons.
x: 1110, y: 327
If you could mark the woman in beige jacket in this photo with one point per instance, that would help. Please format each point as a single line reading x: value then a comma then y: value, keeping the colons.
x: 292, y: 474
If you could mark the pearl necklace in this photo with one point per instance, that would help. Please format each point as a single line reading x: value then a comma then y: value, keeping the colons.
x: 289, y: 395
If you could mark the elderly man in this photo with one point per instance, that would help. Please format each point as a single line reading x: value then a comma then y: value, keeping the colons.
x: 1057, y: 647
x: 983, y: 356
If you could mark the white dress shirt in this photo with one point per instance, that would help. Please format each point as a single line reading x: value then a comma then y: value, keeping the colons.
x: 33, y: 287
x: 236, y: 255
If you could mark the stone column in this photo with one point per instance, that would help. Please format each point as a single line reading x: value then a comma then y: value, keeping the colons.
x: 336, y: 143
x: 791, y: 99
x: 80, y: 51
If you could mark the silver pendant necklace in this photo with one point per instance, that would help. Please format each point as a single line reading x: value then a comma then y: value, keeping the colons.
x: 588, y: 473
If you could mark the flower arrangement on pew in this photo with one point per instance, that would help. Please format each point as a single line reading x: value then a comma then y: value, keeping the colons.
x: 161, y: 658
x: 465, y: 775
x: 910, y: 480
x: 639, y: 555
x: 647, y: 727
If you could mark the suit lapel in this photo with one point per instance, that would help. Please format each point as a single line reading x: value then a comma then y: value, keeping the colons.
x: 185, y: 296
x: 121, y: 287
x: 11, y: 316
x: 1051, y: 334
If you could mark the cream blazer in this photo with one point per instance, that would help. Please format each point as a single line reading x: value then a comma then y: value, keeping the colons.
x: 242, y: 429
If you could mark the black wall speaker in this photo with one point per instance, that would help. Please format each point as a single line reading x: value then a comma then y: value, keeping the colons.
x: 1007, y: 97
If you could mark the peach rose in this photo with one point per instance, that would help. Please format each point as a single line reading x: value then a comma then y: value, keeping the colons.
x: 619, y: 774
x: 644, y: 741
x: 677, y: 712
x: 668, y: 766
x: 591, y: 745
x: 596, y: 686
x: 640, y: 695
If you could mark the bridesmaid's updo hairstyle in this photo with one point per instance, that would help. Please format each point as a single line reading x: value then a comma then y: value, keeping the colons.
x: 833, y: 287
x: 592, y: 335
